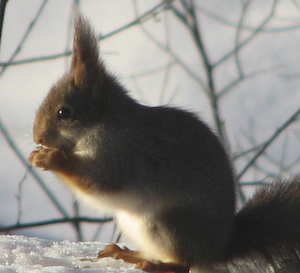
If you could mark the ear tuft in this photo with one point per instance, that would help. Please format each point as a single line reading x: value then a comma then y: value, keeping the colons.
x: 85, y: 58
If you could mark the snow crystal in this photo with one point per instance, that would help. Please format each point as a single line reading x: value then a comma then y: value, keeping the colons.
x: 26, y: 254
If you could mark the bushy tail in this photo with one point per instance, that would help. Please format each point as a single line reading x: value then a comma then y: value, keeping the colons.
x: 268, y: 231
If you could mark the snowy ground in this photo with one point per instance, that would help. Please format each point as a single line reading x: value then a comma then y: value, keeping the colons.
x: 26, y: 254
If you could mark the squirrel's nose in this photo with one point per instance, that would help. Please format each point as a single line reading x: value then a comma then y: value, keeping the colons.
x: 43, y: 136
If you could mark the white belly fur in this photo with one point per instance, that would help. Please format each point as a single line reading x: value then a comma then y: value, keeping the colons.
x: 135, y: 228
x: 133, y: 225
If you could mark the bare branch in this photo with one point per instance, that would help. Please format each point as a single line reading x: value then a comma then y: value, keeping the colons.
x: 56, y: 221
x: 195, y: 31
x: 254, y: 183
x: 32, y: 171
x: 269, y: 142
x: 143, y: 18
x: 26, y: 34
x: 245, y: 7
x: 241, y: 78
x: 152, y: 71
x: 75, y: 7
x: 245, y: 153
x: 250, y: 28
x: 37, y: 59
x: 171, y: 53
x: 166, y: 78
x: 290, y: 77
x: 77, y: 224
x: 180, y: 16
x: 98, y: 231
x: 19, y: 196
x: 250, y: 38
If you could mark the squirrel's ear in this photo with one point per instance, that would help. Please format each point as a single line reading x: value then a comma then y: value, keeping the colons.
x: 85, y: 62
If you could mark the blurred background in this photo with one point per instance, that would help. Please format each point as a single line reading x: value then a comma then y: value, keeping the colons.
x: 235, y: 63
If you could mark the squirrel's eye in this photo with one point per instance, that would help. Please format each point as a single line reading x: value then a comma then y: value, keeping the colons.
x: 64, y: 112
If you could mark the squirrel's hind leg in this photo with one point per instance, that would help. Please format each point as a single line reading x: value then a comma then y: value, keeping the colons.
x: 136, y: 258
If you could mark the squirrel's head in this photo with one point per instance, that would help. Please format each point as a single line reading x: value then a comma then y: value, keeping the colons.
x: 74, y: 105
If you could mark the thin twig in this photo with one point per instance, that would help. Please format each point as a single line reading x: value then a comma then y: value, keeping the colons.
x: 143, y: 18
x: 32, y: 171
x: 253, y: 183
x: 173, y: 95
x: 244, y: 153
x: 242, y: 78
x: 282, y: 165
x: 245, y: 27
x: 56, y: 221
x: 268, y: 143
x: 77, y: 224
x: 250, y: 38
x: 164, y: 85
x: 171, y: 53
x: 36, y: 59
x: 26, y: 35
x: 249, y: 135
x: 19, y: 196
x: 245, y: 7
x: 209, y: 72
x: 152, y: 71
x: 179, y: 15
x: 98, y: 231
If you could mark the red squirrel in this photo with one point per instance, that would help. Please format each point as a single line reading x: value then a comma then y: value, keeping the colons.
x: 163, y: 173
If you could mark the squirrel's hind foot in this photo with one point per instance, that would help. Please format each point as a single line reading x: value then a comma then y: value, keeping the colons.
x: 136, y: 258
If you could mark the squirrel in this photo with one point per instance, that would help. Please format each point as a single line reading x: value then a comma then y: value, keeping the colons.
x: 163, y: 173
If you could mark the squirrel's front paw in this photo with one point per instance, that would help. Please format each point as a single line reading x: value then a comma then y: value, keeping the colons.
x: 47, y: 158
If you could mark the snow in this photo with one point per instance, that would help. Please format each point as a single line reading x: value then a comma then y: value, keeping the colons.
x: 27, y: 254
